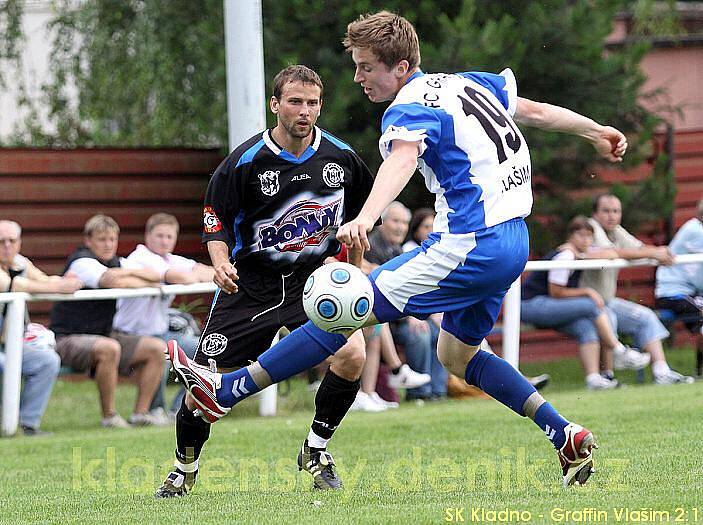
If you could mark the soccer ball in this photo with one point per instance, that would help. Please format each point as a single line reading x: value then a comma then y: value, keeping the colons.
x: 338, y: 297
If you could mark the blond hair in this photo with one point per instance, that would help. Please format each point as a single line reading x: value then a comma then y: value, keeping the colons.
x: 389, y: 36
x: 100, y: 223
x: 161, y: 218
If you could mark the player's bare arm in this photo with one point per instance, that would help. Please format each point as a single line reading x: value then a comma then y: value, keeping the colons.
x: 610, y: 143
x: 392, y: 177
x: 225, y: 272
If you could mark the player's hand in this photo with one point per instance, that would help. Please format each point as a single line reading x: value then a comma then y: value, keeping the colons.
x: 353, y: 234
x: 225, y: 277
x: 610, y: 144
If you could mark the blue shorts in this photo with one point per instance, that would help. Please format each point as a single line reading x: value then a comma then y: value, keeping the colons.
x: 465, y: 276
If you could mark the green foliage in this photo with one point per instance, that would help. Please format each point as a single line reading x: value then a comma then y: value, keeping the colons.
x: 11, y: 36
x: 151, y: 72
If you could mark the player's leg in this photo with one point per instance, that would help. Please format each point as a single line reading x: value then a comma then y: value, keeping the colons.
x: 333, y: 400
x: 229, y: 340
x: 458, y: 348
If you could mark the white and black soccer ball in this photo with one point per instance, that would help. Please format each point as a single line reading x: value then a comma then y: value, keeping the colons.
x: 338, y: 297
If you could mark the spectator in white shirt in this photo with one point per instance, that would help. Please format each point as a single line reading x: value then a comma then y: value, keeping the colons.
x: 85, y: 339
x: 149, y: 315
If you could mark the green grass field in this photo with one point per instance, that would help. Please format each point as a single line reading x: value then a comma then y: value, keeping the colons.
x: 465, y: 460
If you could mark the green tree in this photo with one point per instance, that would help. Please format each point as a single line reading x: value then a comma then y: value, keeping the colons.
x: 151, y: 72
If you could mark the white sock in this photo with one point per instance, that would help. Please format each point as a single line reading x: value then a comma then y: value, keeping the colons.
x: 316, y: 441
x: 660, y: 368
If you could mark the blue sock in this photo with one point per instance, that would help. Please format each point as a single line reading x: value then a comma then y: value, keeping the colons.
x: 303, y: 348
x: 498, y: 379
x: 551, y: 422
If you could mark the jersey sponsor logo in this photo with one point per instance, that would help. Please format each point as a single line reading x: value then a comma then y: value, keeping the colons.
x: 211, y: 223
x: 306, y: 223
x: 301, y: 176
x: 333, y: 175
x: 213, y: 344
x: 269, y: 182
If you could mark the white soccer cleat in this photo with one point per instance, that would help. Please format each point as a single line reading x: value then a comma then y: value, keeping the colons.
x: 199, y: 381
x: 576, y: 456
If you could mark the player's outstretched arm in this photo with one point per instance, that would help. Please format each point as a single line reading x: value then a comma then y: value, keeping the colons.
x: 393, y: 175
x: 610, y: 143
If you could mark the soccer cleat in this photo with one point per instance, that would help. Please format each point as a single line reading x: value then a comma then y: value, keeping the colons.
x: 626, y: 358
x: 176, y: 485
x: 199, y: 381
x: 408, y: 378
x: 576, y: 456
x: 320, y: 464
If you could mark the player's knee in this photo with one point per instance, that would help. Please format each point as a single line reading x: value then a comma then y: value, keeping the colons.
x: 456, y: 359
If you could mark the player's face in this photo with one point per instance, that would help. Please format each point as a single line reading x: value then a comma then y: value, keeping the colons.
x: 103, y: 244
x: 380, y: 82
x: 395, y: 225
x: 10, y: 244
x: 162, y: 239
x: 609, y: 213
x: 582, y: 240
x: 298, y: 108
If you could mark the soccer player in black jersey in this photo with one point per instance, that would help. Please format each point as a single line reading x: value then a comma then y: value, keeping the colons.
x: 271, y: 213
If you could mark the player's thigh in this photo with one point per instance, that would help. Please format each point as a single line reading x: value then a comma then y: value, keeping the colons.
x: 472, y: 324
x: 234, y: 333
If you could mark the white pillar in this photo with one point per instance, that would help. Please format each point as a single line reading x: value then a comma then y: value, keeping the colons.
x: 244, y: 59
x: 511, y: 325
x: 12, y: 375
x: 268, y: 397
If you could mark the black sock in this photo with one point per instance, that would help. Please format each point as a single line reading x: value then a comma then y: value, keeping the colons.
x: 332, y: 402
x: 191, y: 434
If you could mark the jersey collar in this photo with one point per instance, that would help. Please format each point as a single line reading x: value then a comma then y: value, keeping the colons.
x: 309, y: 152
x: 418, y: 73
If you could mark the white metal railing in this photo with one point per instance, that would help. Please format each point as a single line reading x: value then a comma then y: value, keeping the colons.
x: 511, y: 304
x: 14, y: 334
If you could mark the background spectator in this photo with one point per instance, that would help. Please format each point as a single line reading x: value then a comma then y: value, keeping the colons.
x: 149, y: 315
x: 84, y: 336
x: 555, y: 300
x: 679, y: 288
x: 40, y: 363
x: 632, y: 319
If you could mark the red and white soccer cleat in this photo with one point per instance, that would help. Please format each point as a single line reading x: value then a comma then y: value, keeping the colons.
x: 200, y: 382
x: 576, y: 456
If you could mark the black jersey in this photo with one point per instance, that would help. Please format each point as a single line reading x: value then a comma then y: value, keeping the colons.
x: 278, y: 212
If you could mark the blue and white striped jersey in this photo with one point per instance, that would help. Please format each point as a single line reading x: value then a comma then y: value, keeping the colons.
x: 472, y: 155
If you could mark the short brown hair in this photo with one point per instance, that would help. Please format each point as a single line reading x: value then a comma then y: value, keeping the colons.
x: 161, y: 218
x: 295, y: 73
x: 578, y: 223
x: 100, y: 223
x: 389, y: 36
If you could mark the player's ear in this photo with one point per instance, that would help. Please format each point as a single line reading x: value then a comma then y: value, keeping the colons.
x: 402, y: 68
x: 273, y: 104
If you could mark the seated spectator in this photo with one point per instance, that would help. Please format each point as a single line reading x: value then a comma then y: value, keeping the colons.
x: 629, y: 318
x: 680, y: 288
x: 554, y: 300
x: 40, y: 363
x: 386, y: 243
x: 149, y: 315
x: 84, y: 336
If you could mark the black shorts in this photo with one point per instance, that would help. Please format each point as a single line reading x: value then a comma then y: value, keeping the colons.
x: 241, y: 326
x: 684, y: 306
